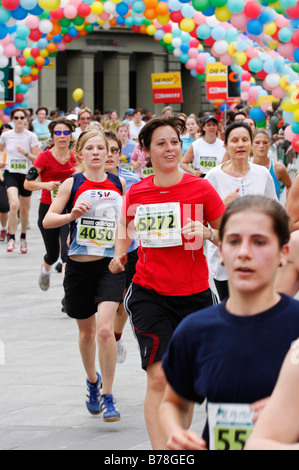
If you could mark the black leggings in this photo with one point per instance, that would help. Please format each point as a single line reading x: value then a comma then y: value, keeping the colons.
x: 222, y: 289
x: 55, y: 239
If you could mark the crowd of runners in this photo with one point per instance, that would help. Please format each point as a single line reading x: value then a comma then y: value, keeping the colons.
x: 178, y: 224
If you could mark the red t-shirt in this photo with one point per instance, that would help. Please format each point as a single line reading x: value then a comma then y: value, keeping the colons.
x: 183, y: 269
x: 52, y: 170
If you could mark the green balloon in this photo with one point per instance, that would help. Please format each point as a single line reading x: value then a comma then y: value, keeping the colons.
x: 218, y: 3
x: 88, y: 28
x: 44, y: 15
x: 261, y: 123
x: 201, y: 77
x: 170, y: 47
x: 78, y: 20
x: 201, y: 5
x: 64, y: 29
x: 295, y: 67
x: 64, y: 22
x: 29, y: 61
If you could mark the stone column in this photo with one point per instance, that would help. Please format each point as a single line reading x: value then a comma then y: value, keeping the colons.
x: 47, y: 86
x: 116, y: 82
x: 146, y: 64
x: 80, y: 74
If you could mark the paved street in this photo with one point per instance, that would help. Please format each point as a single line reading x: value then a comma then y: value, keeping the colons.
x: 42, y: 380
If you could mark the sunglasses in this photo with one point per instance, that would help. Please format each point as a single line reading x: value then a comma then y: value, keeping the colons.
x: 16, y: 118
x: 62, y: 132
x: 85, y: 118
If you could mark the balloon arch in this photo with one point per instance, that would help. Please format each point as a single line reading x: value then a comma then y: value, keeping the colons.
x: 257, y: 39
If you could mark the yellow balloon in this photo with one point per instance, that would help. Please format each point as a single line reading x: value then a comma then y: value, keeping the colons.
x: 27, y: 52
x: 296, y: 115
x: 240, y: 57
x: 284, y: 83
x: 222, y: 13
x: 97, y: 8
x: 270, y: 28
x: 231, y: 48
x: 163, y: 19
x: 78, y: 94
x: 187, y: 25
x: 288, y: 106
x: 49, y: 4
x: 167, y: 38
x: 151, y: 29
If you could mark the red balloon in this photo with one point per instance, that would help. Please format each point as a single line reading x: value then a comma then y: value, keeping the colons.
x: 19, y: 98
x: 34, y: 52
x: 35, y: 34
x: 292, y: 12
x: 57, y: 14
x: 176, y: 16
x: 167, y: 28
x: 10, y: 4
x: 21, y: 61
x: 245, y: 77
x: 194, y: 43
x: 209, y: 41
x: 67, y: 38
x: 295, y: 143
x: 295, y: 38
x: 262, y: 74
x: 200, y: 68
x: 252, y: 10
x: 83, y: 10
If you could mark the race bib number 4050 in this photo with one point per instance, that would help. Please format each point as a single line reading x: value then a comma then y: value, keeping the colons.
x: 159, y: 225
x: 99, y: 232
x: 230, y: 425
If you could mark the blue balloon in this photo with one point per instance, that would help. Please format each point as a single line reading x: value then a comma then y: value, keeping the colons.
x: 3, y: 31
x: 58, y: 38
x: 254, y: 27
x: 4, y: 15
x: 122, y: 9
x: 28, y: 4
x: 257, y: 114
x: 185, y: 48
x: 36, y: 11
x: 210, y: 11
x: 296, y: 54
x: 19, y: 13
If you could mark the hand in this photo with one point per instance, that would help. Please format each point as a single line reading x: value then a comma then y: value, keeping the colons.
x: 231, y: 197
x: 195, y: 228
x: 21, y: 150
x: 258, y: 407
x: 186, y: 440
x: 2, y: 164
x: 117, y: 264
x: 51, y: 185
x: 80, y: 209
x: 198, y: 173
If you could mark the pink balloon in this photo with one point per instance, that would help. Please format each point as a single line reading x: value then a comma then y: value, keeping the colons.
x: 278, y: 92
x: 190, y: 64
x: 244, y: 96
x: 239, y: 21
x: 61, y: 46
x: 245, y: 86
x: 201, y: 58
x: 289, y: 134
x: 251, y: 52
x: 75, y: 2
x: 199, y: 18
x: 281, y: 21
x: 5, y: 118
x: 253, y: 91
x: 264, y: 106
x: 70, y: 12
x: 193, y: 52
x: 10, y: 50
x: 105, y: 16
x: 226, y: 59
x: 32, y: 21
x: 5, y: 40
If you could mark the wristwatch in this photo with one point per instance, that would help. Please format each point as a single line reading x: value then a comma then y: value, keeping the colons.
x: 212, y: 237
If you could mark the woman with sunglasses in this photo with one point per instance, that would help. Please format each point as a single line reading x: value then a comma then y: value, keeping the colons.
x: 52, y: 166
x: 21, y: 148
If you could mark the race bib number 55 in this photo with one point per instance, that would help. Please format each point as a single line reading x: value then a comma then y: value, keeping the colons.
x: 230, y: 425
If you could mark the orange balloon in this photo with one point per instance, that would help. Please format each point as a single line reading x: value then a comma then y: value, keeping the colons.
x: 150, y: 3
x: 39, y: 60
x: 49, y: 36
x: 82, y: 32
x: 56, y: 27
x: 113, y: 22
x: 26, y: 79
x: 162, y: 8
x: 143, y: 29
x: 150, y: 13
x: 51, y: 47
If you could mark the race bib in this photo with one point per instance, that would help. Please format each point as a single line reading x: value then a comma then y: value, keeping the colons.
x: 145, y: 171
x: 159, y: 225
x: 127, y: 166
x: 18, y: 166
x: 207, y: 163
x: 230, y: 425
x: 100, y: 232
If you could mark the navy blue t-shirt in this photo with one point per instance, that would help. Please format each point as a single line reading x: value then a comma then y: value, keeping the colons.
x: 225, y: 358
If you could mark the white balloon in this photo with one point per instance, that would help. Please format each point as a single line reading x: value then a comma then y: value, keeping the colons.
x: 220, y: 46
x: 109, y: 7
x: 45, y: 26
x: 272, y: 80
x: 3, y: 61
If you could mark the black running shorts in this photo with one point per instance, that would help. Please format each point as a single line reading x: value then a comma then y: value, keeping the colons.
x: 154, y: 318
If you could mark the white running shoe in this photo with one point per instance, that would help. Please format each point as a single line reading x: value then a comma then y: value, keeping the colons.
x: 11, y: 245
x: 121, y: 350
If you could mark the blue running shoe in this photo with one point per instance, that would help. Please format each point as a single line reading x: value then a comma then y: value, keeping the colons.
x: 93, y: 396
x: 110, y: 413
